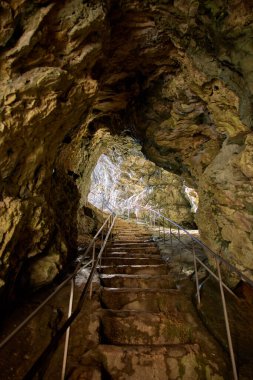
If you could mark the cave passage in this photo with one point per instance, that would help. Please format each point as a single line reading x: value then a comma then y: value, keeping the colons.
x: 124, y: 106
x: 125, y: 182
x: 173, y: 76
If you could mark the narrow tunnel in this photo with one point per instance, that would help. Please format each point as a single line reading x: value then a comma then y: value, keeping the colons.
x: 140, y: 109
x: 125, y: 182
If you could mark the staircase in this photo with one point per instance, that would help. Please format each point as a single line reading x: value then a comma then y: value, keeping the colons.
x: 149, y: 327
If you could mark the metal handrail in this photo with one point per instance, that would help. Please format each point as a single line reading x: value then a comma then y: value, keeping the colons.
x: 110, y: 220
x: 222, y: 285
x: 203, y: 245
x: 59, y: 287
x: 66, y: 345
x: 52, y: 346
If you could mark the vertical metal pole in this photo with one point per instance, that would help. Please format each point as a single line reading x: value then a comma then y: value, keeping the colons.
x: 159, y: 227
x: 100, y: 259
x: 196, y: 273
x: 230, y: 344
x: 65, y: 353
x: 109, y: 226
x: 170, y: 237
x: 112, y: 216
x: 163, y: 230
x: 93, y: 253
x: 180, y: 248
x: 93, y: 260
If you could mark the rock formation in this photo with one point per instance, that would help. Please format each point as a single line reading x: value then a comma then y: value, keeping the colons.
x: 177, y: 75
x: 125, y: 182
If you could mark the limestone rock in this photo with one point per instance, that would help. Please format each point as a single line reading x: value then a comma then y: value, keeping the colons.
x: 125, y: 182
x: 175, y: 75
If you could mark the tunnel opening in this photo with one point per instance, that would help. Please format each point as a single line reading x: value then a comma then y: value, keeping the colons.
x: 125, y: 182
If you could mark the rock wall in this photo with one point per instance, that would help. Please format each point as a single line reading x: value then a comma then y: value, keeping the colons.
x: 125, y: 182
x: 176, y: 75
x: 44, y: 94
x: 198, y: 123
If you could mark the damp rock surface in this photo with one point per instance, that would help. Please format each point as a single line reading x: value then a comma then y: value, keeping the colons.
x: 176, y: 76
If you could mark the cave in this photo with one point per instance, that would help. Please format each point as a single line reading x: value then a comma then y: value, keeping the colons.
x: 142, y: 109
x: 126, y: 183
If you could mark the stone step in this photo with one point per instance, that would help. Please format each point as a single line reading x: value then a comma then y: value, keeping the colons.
x: 130, y: 249
x: 117, y: 260
x: 137, y: 281
x: 139, y: 328
x: 131, y: 238
x: 134, y: 244
x: 129, y: 230
x: 140, y: 241
x: 186, y: 362
x: 127, y: 248
x: 85, y: 372
x: 152, y: 300
x: 135, y: 269
x: 131, y: 253
x: 134, y: 232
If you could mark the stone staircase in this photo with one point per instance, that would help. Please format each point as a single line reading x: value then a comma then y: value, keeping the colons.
x: 149, y: 328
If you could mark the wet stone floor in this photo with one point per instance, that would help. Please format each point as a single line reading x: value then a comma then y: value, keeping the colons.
x: 141, y: 322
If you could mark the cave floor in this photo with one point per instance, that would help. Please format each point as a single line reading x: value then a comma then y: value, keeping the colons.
x: 141, y: 321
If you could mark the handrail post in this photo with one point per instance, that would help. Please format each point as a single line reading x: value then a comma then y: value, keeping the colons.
x: 180, y: 248
x: 93, y: 260
x: 196, y: 273
x: 230, y: 344
x: 65, y: 354
x: 110, y: 236
x: 102, y: 237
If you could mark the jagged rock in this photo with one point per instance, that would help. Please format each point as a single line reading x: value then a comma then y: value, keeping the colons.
x: 175, y: 75
x: 124, y: 181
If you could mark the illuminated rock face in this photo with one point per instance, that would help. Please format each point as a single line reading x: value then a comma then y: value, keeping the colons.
x: 175, y: 75
x: 125, y: 182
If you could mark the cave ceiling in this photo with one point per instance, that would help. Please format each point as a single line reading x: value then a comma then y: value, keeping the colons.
x: 175, y: 75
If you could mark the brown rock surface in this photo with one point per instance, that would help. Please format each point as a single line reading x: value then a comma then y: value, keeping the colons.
x: 176, y: 75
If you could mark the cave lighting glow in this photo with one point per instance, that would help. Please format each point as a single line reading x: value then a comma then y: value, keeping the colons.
x: 108, y: 192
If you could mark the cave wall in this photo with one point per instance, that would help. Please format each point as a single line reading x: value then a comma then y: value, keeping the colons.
x: 45, y: 93
x: 176, y: 74
x: 198, y: 123
x: 125, y: 182
x: 201, y: 137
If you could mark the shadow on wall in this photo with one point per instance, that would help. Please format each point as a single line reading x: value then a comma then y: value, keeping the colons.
x: 36, y: 263
x: 65, y: 199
